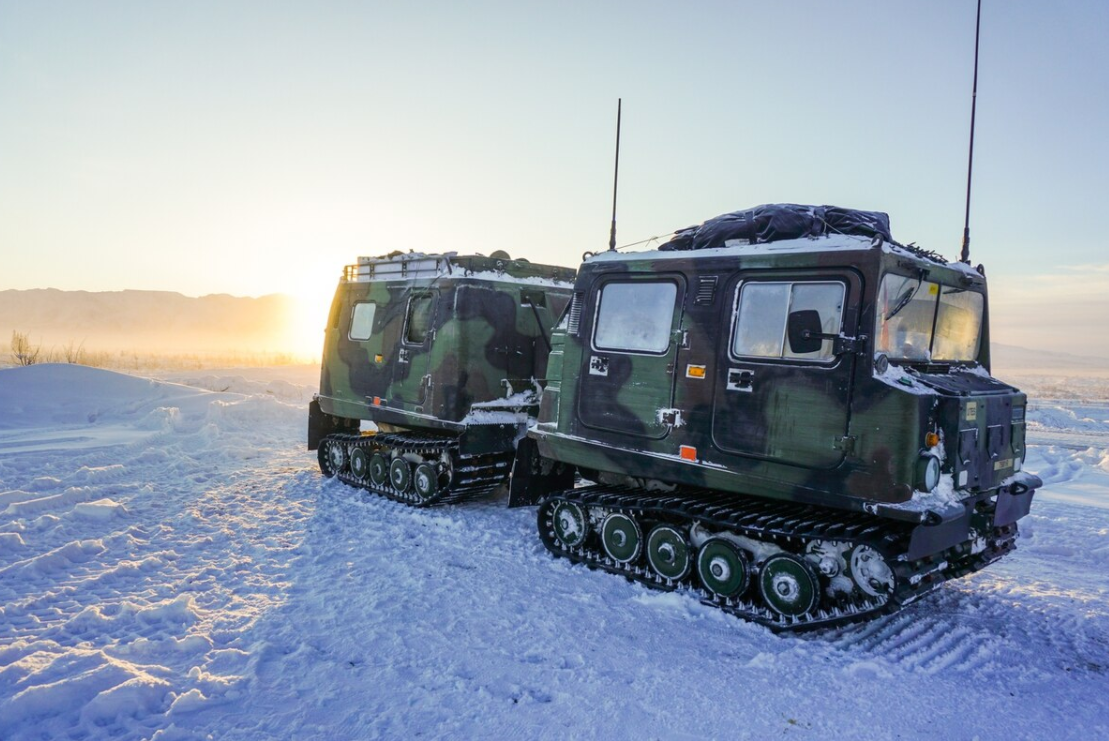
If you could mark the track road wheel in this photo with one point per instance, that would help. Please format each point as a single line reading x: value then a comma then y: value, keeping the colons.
x: 724, y: 569
x: 789, y: 585
x: 668, y: 552
x: 332, y: 457
x: 400, y: 475
x: 570, y: 524
x: 426, y: 481
x: 870, y: 572
x: 621, y: 538
x: 379, y: 469
x: 359, y: 463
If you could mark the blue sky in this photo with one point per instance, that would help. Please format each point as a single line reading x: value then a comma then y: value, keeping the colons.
x: 253, y: 148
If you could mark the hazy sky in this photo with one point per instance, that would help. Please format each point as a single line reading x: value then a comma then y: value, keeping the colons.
x: 253, y: 148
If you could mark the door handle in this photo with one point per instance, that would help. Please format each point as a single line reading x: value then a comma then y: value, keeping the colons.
x: 741, y: 379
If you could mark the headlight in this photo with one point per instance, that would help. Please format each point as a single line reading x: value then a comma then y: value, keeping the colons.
x: 927, y: 472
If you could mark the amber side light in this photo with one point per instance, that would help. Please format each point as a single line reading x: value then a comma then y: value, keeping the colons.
x: 931, y: 440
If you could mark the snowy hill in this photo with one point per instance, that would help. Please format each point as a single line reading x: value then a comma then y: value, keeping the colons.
x: 173, y: 566
x: 151, y: 320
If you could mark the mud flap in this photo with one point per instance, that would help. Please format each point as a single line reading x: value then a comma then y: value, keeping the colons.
x: 534, y: 477
x: 485, y: 439
x: 1012, y: 506
x: 322, y: 424
x: 929, y: 539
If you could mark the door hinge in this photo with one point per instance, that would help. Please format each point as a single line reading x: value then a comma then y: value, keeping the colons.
x: 855, y: 345
x: 846, y: 444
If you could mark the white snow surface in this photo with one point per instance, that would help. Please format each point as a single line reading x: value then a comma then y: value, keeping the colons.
x: 173, y: 566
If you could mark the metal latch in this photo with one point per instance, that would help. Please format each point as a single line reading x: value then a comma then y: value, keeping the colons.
x: 670, y: 417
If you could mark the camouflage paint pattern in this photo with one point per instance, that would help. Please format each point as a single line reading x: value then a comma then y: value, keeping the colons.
x: 836, y: 434
x: 483, y: 336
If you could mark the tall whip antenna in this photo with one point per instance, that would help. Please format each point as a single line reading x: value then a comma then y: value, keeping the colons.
x: 965, y: 257
x: 616, y: 179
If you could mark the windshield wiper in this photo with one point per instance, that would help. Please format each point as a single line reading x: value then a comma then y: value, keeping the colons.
x: 904, y: 300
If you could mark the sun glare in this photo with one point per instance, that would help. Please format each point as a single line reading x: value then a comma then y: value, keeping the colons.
x: 311, y: 304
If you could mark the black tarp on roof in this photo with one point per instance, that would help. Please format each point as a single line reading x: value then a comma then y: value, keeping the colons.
x: 777, y: 221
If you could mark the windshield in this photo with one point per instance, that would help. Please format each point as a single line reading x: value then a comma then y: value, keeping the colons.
x: 921, y: 320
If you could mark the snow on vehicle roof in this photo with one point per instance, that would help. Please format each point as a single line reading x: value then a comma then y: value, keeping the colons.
x: 418, y: 265
x: 739, y: 247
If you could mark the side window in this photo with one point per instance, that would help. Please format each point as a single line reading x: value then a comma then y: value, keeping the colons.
x: 418, y: 322
x: 762, y: 319
x: 827, y: 300
x: 635, y: 317
x: 763, y: 310
x: 362, y: 321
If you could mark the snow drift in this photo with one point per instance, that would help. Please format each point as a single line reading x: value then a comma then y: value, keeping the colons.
x: 172, y: 566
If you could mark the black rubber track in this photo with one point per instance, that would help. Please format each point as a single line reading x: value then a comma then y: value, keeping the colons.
x: 787, y: 525
x: 467, y: 478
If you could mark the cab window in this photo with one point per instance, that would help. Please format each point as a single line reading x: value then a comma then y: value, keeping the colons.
x: 958, y: 325
x: 635, y: 316
x: 924, y: 321
x: 762, y: 314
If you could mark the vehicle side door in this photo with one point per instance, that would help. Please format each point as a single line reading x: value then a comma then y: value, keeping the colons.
x: 628, y: 353
x: 771, y: 402
x: 410, y: 371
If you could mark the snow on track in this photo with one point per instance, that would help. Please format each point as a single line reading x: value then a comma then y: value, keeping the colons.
x: 184, y: 572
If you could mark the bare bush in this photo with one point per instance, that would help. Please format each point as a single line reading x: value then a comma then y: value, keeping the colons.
x: 74, y: 353
x: 23, y: 351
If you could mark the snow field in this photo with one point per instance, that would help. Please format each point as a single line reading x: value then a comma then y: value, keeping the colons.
x: 173, y: 566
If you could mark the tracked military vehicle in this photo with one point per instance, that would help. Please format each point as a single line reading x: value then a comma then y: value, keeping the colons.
x: 785, y: 410
x: 445, y: 354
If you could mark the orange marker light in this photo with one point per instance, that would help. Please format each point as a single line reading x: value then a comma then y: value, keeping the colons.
x: 377, y: 401
x: 931, y: 440
x: 378, y: 358
x: 695, y: 371
x: 688, y: 453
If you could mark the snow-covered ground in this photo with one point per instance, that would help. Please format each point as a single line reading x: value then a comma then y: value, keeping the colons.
x: 173, y: 566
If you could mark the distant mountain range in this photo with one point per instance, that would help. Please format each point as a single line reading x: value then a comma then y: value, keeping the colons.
x: 162, y: 321
x: 1014, y: 359
x: 159, y: 321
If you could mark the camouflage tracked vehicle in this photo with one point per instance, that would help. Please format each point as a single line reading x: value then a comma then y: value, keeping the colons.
x: 442, y: 352
x: 783, y: 409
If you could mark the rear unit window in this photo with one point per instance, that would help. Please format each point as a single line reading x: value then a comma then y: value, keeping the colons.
x: 419, y: 319
x: 362, y: 321
x: 635, y: 316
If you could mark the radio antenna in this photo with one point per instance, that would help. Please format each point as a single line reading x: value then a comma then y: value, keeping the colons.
x: 616, y: 179
x: 965, y: 257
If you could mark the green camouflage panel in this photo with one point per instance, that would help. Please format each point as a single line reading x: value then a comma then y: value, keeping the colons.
x: 416, y: 340
x: 677, y: 404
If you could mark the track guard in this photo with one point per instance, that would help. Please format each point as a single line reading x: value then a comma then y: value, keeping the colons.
x: 534, y: 477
